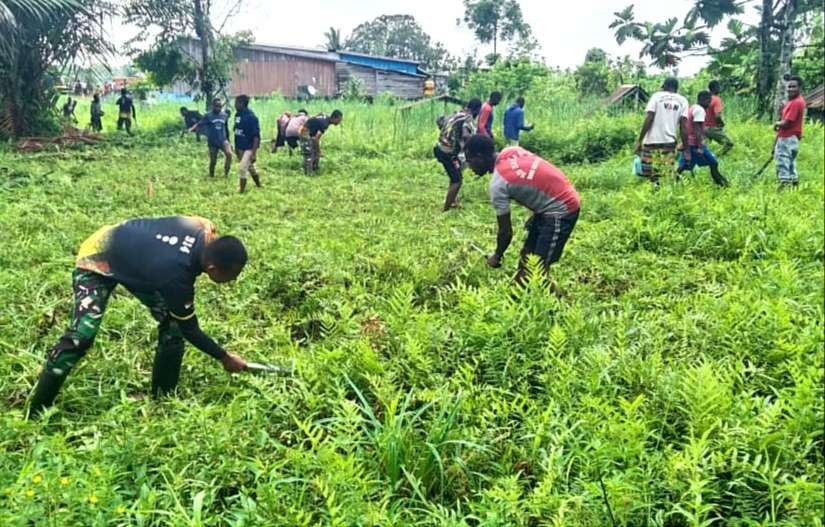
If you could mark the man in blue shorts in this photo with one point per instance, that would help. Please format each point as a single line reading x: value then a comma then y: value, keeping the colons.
x: 700, y: 154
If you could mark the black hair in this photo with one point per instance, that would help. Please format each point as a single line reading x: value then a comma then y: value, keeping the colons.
x: 495, y: 95
x: 704, y: 94
x: 671, y: 84
x: 474, y: 104
x: 520, y: 101
x: 123, y: 91
x: 479, y: 145
x: 796, y: 78
x: 303, y: 111
x: 184, y: 109
x: 336, y: 114
x: 217, y: 99
x: 714, y: 86
x: 227, y: 253
x: 243, y: 99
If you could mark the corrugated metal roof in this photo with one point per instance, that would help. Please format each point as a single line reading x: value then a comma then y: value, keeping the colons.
x: 627, y: 90
x: 317, y: 54
x: 816, y: 98
x: 381, y: 57
x: 381, y: 63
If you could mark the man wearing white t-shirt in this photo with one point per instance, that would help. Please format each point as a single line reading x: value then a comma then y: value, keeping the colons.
x: 700, y: 154
x: 665, y: 120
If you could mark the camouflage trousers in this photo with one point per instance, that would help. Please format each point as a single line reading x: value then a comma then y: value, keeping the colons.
x: 311, y: 154
x: 91, y: 296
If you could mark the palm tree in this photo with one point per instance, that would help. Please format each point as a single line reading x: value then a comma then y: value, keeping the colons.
x: 333, y: 37
x: 36, y: 35
x: 18, y: 16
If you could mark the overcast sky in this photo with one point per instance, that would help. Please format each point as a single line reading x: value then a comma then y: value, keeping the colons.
x: 565, y: 30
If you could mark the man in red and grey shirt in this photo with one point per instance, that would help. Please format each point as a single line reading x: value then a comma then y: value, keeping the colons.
x: 535, y: 184
x: 788, y: 135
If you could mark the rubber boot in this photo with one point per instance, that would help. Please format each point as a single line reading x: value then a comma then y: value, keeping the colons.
x: 256, y: 178
x: 48, y: 385
x: 242, y: 188
x: 166, y: 370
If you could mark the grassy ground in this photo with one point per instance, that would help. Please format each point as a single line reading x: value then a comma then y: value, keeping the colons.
x: 679, y: 378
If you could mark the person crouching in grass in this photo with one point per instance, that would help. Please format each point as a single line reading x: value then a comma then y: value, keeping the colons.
x: 532, y: 182
x: 310, y: 139
x: 700, y: 154
x: 158, y: 261
x: 454, y: 131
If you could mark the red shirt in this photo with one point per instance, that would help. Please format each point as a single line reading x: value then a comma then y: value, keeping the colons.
x: 713, y: 110
x: 531, y: 181
x: 484, y: 123
x: 794, y: 112
x: 695, y: 114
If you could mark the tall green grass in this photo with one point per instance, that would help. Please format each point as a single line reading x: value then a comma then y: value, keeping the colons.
x: 678, y: 378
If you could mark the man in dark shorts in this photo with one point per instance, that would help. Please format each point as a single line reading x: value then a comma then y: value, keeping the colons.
x: 190, y: 119
x: 535, y: 184
x: 247, y: 141
x: 286, y: 121
x: 310, y: 139
x: 454, y: 132
x: 214, y: 125
x: 158, y: 261
x: 292, y: 133
x: 126, y: 111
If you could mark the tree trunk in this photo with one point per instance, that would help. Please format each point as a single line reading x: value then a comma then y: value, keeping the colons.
x: 203, y: 33
x: 765, y: 69
x: 786, y: 47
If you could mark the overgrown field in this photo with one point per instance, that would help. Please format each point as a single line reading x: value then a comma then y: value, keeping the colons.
x: 679, y: 377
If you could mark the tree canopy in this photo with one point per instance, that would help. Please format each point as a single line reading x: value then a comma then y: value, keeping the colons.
x: 398, y: 36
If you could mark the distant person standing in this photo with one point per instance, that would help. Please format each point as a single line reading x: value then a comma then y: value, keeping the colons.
x: 700, y: 154
x: 514, y: 122
x: 666, y: 116
x: 532, y: 182
x: 485, y: 117
x: 247, y: 141
x: 788, y: 135
x: 310, y: 139
x: 126, y: 111
x: 214, y: 125
x: 96, y: 111
x: 714, y: 125
x: 68, y: 109
x: 454, y: 132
